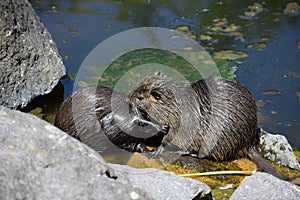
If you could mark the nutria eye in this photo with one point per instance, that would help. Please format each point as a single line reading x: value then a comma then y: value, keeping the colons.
x: 155, y: 95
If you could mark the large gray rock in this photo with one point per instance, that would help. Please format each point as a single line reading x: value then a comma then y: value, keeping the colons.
x: 265, y: 186
x: 38, y: 161
x: 29, y: 62
x: 162, y: 184
x: 276, y: 147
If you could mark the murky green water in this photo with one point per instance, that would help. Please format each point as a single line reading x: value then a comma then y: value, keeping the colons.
x: 267, y: 32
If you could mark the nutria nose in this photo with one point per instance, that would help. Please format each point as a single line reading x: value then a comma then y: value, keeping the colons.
x: 140, y: 98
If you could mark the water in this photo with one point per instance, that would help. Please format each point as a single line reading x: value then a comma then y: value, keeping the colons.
x: 271, y: 73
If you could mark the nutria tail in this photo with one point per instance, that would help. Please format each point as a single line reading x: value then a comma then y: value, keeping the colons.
x: 262, y: 163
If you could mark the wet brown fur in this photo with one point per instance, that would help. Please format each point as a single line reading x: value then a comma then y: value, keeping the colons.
x: 99, y: 117
x: 214, y: 117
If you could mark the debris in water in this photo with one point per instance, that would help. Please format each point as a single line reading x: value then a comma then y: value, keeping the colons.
x: 254, y: 10
x: 291, y: 8
x: 298, y: 95
x: 186, y: 30
x: 271, y: 92
x: 298, y: 44
x: 230, y: 55
x: 259, y: 46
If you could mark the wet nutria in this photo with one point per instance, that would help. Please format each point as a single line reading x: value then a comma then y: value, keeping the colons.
x: 99, y: 117
x: 213, y: 118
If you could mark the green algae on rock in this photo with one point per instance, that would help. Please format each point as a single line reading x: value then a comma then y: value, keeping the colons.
x: 291, y: 8
x: 230, y: 55
x: 186, y: 30
x: 259, y: 46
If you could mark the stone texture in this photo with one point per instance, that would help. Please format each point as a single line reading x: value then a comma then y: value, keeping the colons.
x: 265, y: 186
x: 38, y: 161
x: 162, y: 184
x: 276, y: 147
x: 29, y: 62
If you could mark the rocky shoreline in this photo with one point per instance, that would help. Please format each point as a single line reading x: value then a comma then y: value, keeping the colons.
x: 39, y: 161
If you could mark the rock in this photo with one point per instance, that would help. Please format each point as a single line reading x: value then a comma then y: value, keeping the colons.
x: 38, y: 161
x: 265, y: 186
x: 162, y: 184
x: 276, y: 148
x: 29, y: 61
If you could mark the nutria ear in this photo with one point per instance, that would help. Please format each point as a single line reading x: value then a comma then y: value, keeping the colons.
x: 159, y: 74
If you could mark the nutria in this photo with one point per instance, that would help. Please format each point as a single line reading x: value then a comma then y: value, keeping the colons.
x: 212, y: 118
x: 99, y: 117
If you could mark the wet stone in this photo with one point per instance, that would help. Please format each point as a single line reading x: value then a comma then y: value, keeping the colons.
x: 162, y: 184
x: 275, y: 147
x: 265, y: 186
x: 38, y: 161
x: 30, y: 65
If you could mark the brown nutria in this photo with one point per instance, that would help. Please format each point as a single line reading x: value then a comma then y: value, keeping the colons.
x: 99, y: 117
x: 213, y: 118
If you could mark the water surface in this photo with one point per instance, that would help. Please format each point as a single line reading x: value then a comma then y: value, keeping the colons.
x: 269, y: 35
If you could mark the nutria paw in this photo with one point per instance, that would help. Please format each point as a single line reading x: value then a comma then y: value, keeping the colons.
x: 141, y: 148
x: 155, y: 153
x: 164, y: 130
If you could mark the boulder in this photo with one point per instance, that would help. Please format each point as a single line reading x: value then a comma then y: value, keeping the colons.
x: 265, y: 186
x: 30, y: 65
x: 38, y: 161
x: 276, y: 147
x: 162, y: 184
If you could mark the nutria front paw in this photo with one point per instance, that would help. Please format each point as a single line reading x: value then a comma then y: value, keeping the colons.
x: 141, y: 148
x: 155, y: 153
x: 139, y: 121
x: 164, y: 130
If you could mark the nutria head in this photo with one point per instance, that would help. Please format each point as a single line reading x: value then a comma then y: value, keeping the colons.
x: 162, y: 99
